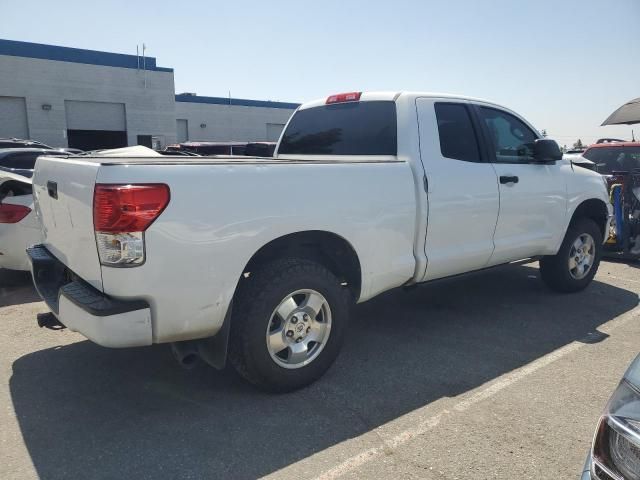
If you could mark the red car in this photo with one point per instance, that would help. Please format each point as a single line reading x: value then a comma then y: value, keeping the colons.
x: 611, y: 157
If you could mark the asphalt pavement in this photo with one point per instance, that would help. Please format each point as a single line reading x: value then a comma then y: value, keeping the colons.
x: 489, y: 376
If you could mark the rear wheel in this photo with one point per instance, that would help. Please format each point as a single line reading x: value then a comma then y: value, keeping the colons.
x: 288, y: 324
x: 577, y: 261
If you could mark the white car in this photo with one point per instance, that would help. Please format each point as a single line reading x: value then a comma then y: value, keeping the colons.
x: 18, y: 226
x: 366, y: 192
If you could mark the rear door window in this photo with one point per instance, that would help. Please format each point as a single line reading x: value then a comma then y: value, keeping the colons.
x: 458, y: 138
x: 355, y: 128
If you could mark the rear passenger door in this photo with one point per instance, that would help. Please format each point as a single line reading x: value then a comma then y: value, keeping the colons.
x: 532, y: 196
x: 462, y: 189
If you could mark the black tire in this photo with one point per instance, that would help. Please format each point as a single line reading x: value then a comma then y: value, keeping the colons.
x: 554, y: 269
x: 257, y: 298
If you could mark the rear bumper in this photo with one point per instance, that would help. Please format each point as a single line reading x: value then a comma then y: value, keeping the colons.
x: 80, y: 307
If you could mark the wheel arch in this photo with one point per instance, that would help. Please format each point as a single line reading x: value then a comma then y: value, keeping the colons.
x: 330, y: 249
x: 594, y: 209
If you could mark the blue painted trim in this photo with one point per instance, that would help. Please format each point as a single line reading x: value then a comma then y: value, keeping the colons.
x: 236, y: 101
x: 616, y: 191
x: 75, y: 55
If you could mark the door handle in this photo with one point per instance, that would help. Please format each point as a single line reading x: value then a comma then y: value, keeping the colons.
x: 508, y: 179
x: 52, y: 188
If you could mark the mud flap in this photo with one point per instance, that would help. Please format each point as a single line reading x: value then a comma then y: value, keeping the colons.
x: 213, y: 350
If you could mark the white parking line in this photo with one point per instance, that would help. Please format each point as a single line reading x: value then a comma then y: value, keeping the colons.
x: 482, y: 393
x: 623, y: 279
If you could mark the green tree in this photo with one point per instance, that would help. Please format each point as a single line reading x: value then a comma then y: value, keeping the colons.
x: 578, y: 144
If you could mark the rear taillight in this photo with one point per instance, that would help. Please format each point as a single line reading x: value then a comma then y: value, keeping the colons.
x: 121, y: 213
x: 128, y: 208
x: 13, y: 213
x: 344, y: 97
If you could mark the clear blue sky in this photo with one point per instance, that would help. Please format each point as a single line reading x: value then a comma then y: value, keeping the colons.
x: 563, y: 64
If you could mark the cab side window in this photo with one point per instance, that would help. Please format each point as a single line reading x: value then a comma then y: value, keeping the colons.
x: 457, y: 136
x: 510, y: 139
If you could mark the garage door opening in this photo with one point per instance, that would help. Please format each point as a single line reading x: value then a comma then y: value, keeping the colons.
x: 95, y: 125
x: 182, y: 128
x: 96, y: 139
x: 145, y: 140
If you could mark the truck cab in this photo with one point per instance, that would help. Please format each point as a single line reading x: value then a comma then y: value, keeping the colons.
x: 483, y: 196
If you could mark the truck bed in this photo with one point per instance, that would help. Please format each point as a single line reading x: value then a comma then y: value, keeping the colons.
x: 222, y: 210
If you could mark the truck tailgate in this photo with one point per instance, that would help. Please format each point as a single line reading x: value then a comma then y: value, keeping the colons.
x: 63, y: 194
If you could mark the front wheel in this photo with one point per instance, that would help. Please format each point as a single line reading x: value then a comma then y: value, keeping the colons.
x: 577, y: 261
x: 288, y: 324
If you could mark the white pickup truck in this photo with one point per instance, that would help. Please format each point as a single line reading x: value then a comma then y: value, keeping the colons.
x: 258, y: 259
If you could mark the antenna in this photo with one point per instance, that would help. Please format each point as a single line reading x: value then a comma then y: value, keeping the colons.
x: 144, y: 63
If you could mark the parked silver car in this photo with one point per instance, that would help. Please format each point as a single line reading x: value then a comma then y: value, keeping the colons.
x: 615, y: 453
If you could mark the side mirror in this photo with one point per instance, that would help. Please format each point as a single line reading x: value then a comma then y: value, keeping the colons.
x: 546, y: 150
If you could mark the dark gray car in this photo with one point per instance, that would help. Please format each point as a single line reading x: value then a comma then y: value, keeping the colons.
x: 23, y: 160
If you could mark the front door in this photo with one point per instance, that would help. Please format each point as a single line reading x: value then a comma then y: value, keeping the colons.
x: 532, y: 196
x: 462, y: 189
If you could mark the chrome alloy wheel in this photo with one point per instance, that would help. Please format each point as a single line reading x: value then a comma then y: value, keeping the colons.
x: 299, y: 328
x: 581, y: 256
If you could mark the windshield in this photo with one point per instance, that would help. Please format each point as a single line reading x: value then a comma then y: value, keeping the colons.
x: 610, y: 159
x: 355, y: 128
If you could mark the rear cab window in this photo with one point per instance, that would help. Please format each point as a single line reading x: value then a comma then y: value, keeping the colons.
x: 353, y: 128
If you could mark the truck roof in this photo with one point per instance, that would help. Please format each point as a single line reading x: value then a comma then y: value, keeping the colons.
x: 393, y: 96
